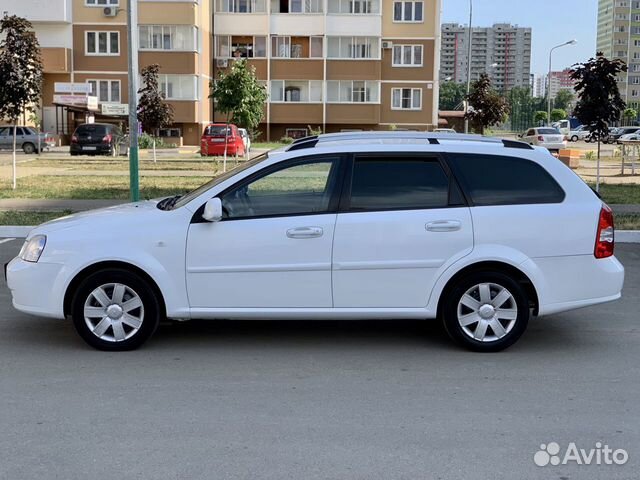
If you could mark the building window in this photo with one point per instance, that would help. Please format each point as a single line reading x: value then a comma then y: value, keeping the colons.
x: 102, y: 43
x: 296, y: 91
x: 241, y: 6
x: 107, y: 91
x: 353, y: 47
x: 353, y: 91
x: 168, y: 37
x: 101, y: 3
x: 179, y: 87
x: 407, y: 55
x: 406, y: 98
x: 296, y: 132
x: 296, y: 6
x: 170, y: 133
x: 408, y: 11
x: 354, y: 7
x: 241, y: 46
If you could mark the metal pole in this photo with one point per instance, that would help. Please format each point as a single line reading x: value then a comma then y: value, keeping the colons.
x: 549, y: 89
x: 132, y: 51
x: 466, y: 103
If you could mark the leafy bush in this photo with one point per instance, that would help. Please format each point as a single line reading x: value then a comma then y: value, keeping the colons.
x: 287, y: 140
x: 590, y: 155
x: 145, y: 141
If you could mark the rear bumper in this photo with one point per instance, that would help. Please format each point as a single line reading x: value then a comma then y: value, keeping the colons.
x: 554, y: 146
x: 218, y: 149
x: 567, y: 283
x: 100, y: 149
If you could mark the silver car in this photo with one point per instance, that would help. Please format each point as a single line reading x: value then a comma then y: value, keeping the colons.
x: 578, y: 133
x: 547, y: 137
x: 26, y: 139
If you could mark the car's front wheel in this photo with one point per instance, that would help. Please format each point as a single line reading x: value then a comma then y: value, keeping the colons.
x: 115, y: 310
x: 574, y: 138
x: 486, y: 311
x: 28, y: 148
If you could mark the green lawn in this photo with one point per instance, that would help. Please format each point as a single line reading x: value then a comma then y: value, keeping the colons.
x: 98, y: 187
x: 612, y: 194
x: 29, y: 218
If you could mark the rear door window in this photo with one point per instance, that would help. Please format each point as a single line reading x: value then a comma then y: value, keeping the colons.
x: 501, y: 180
x: 398, y: 184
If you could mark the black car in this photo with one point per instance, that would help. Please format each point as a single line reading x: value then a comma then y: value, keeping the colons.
x: 96, y: 139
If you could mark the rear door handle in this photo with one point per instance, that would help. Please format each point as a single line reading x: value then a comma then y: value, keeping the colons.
x: 444, y: 226
x: 305, y: 232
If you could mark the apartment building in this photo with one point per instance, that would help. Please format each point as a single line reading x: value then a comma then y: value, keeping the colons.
x: 84, y: 42
x: 338, y: 65
x: 619, y: 37
x: 503, y: 51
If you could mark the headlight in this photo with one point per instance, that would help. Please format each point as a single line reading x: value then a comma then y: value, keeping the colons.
x: 32, y: 248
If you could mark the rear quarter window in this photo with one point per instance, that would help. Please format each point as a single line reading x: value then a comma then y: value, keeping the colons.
x: 501, y: 180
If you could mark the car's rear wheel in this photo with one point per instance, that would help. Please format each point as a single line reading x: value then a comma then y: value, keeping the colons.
x: 115, y: 310
x: 28, y: 148
x: 574, y: 138
x: 486, y: 311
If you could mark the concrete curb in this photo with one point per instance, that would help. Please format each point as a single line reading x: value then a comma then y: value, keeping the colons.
x: 622, y: 236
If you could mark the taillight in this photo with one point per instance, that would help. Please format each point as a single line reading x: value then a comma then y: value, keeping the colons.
x: 540, y: 138
x: 107, y: 138
x: 74, y: 139
x: 605, y: 240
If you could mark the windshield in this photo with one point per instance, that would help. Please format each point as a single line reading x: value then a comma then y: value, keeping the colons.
x: 548, y: 131
x: 219, y: 179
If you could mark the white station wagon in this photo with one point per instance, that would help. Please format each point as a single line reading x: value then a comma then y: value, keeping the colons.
x: 479, y: 232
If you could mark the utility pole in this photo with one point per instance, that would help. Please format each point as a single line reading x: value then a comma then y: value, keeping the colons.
x: 132, y: 50
x: 466, y: 102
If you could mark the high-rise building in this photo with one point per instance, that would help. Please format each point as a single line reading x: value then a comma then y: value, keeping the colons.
x: 338, y: 65
x: 84, y: 43
x: 503, y: 51
x: 539, y: 85
x: 561, y: 80
x: 619, y: 37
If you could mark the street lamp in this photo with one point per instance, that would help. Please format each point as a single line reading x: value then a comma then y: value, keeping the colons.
x: 466, y: 103
x: 132, y: 50
x: 570, y: 42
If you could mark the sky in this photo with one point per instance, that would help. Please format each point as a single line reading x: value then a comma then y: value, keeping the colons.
x: 552, y: 22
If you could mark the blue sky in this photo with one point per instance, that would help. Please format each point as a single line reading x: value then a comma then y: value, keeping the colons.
x: 552, y: 22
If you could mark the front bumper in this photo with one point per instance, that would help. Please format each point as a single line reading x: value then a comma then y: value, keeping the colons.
x: 34, y: 287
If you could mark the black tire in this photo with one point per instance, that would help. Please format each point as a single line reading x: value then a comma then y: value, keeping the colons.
x: 28, y: 148
x: 574, y: 138
x: 454, y: 296
x: 151, y: 309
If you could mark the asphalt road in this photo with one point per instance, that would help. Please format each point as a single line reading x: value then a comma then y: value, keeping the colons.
x: 319, y: 400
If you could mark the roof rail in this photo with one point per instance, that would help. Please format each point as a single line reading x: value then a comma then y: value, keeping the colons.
x: 431, y: 138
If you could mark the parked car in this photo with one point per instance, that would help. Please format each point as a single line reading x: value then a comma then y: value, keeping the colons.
x: 592, y: 138
x: 619, y: 132
x: 578, y: 133
x: 630, y: 137
x: 444, y: 130
x: 96, y: 139
x: 246, y: 140
x: 26, y: 139
x: 213, y: 140
x: 563, y: 126
x: 547, y: 137
x: 480, y: 232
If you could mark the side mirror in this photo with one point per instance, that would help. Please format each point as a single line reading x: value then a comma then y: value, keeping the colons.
x: 213, y: 210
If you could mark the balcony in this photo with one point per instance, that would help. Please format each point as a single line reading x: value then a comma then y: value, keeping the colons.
x: 297, y: 24
x: 353, y: 113
x: 296, y: 113
x: 365, y: 25
x: 39, y: 11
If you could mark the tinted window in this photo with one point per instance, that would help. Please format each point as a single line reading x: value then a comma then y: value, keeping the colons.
x: 303, y: 188
x: 497, y: 180
x: 388, y: 184
x: 91, y: 130
x: 218, y: 131
x: 548, y: 131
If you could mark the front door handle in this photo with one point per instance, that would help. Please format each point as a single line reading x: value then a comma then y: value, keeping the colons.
x: 444, y: 226
x: 305, y: 232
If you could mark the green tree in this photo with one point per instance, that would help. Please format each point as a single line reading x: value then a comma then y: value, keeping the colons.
x: 540, y: 117
x: 154, y: 112
x: 630, y: 114
x: 451, y: 96
x: 239, y: 96
x: 486, y: 106
x: 563, y: 99
x: 599, y: 100
x: 20, y: 72
x: 558, y: 114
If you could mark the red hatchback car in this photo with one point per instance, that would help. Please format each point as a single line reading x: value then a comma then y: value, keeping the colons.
x: 212, y: 142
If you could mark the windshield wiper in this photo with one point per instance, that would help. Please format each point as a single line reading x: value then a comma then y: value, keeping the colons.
x: 169, y: 202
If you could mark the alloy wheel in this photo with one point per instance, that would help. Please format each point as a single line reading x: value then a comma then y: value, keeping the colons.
x: 113, y: 312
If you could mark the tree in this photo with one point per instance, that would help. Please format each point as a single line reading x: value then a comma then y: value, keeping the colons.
x: 563, y: 99
x: 540, y: 117
x: 451, y: 96
x: 630, y: 114
x: 599, y: 100
x: 154, y: 112
x: 20, y: 72
x: 558, y: 114
x: 486, y: 106
x: 240, y: 97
